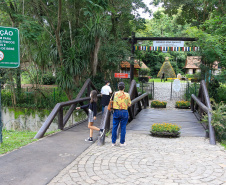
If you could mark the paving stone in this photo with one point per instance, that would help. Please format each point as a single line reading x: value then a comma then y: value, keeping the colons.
x: 155, y: 161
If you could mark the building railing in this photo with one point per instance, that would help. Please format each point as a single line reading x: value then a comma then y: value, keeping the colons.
x: 203, y: 106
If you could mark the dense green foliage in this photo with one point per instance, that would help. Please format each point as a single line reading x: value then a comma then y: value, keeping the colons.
x: 35, y: 98
x: 70, y: 39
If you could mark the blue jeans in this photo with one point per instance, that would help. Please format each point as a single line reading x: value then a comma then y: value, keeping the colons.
x: 119, y: 116
x: 103, y: 109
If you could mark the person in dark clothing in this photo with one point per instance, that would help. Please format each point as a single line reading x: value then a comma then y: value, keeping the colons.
x: 105, y: 95
x: 92, y: 115
x: 163, y: 76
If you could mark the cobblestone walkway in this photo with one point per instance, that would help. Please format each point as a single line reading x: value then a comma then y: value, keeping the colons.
x: 148, y: 160
x: 163, y: 92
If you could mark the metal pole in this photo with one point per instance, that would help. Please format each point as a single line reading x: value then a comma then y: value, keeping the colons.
x: 171, y: 91
x: 188, y: 88
x: 186, y: 93
x: 27, y: 95
x: 0, y: 116
x: 132, y: 58
x: 54, y: 98
x: 142, y: 86
x: 195, y: 89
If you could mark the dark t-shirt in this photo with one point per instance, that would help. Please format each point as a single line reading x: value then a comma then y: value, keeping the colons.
x: 92, y: 106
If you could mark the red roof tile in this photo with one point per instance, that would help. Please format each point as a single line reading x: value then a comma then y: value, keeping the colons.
x: 125, y: 64
x: 193, y: 62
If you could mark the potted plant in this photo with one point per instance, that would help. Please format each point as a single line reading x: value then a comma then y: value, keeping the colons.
x: 182, y: 104
x: 158, y: 104
x: 165, y: 130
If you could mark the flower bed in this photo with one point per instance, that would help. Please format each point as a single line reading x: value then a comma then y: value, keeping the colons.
x: 158, y: 104
x: 165, y: 130
x: 182, y: 104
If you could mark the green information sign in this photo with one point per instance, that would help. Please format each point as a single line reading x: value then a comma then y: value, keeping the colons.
x: 9, y: 47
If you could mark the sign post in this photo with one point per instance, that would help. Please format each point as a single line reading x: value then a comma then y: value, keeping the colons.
x: 9, y: 54
x: 121, y: 75
x: 9, y: 47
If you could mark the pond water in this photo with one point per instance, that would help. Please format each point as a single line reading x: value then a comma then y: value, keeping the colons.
x: 32, y: 119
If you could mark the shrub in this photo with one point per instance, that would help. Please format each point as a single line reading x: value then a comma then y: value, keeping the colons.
x: 158, y: 104
x: 212, y: 88
x: 193, y: 89
x: 222, y: 76
x: 165, y: 129
x: 143, y: 79
x: 144, y: 72
x: 189, y: 76
x: 150, y: 96
x: 34, y: 98
x: 218, y: 120
x: 182, y: 104
x: 48, y: 79
x: 221, y: 91
x: 197, y: 76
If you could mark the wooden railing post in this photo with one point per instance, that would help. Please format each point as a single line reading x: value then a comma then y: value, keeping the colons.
x: 145, y: 102
x: 60, y: 119
x: 203, y: 103
x: 192, y: 105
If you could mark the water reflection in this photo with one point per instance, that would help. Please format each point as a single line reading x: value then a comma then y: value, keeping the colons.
x: 32, y: 119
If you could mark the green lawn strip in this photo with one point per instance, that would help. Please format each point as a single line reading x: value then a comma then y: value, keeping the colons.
x: 169, y: 80
x: 223, y: 143
x: 158, y: 80
x: 15, y: 139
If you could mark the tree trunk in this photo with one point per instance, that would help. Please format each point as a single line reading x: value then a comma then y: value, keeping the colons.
x: 12, y: 88
x: 95, y: 55
x: 57, y: 32
x: 18, y: 80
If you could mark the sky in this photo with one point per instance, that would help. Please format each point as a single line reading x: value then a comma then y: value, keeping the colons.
x: 151, y: 7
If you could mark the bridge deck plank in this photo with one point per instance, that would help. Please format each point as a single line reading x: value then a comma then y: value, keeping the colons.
x: 190, y: 126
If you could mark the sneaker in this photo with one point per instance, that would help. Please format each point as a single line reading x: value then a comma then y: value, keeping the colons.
x: 113, y: 144
x: 89, y: 139
x: 102, y: 132
x: 124, y: 144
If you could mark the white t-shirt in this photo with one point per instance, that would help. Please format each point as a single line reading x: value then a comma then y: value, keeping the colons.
x: 106, y: 90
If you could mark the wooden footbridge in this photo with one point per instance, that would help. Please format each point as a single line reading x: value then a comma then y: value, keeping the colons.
x: 39, y: 162
x: 142, y: 120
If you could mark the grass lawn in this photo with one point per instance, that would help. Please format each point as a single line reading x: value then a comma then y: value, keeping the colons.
x: 159, y: 80
x: 223, y: 143
x: 16, y: 139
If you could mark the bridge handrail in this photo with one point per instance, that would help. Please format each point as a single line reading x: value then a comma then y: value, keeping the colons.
x: 58, y: 109
x: 203, y: 102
